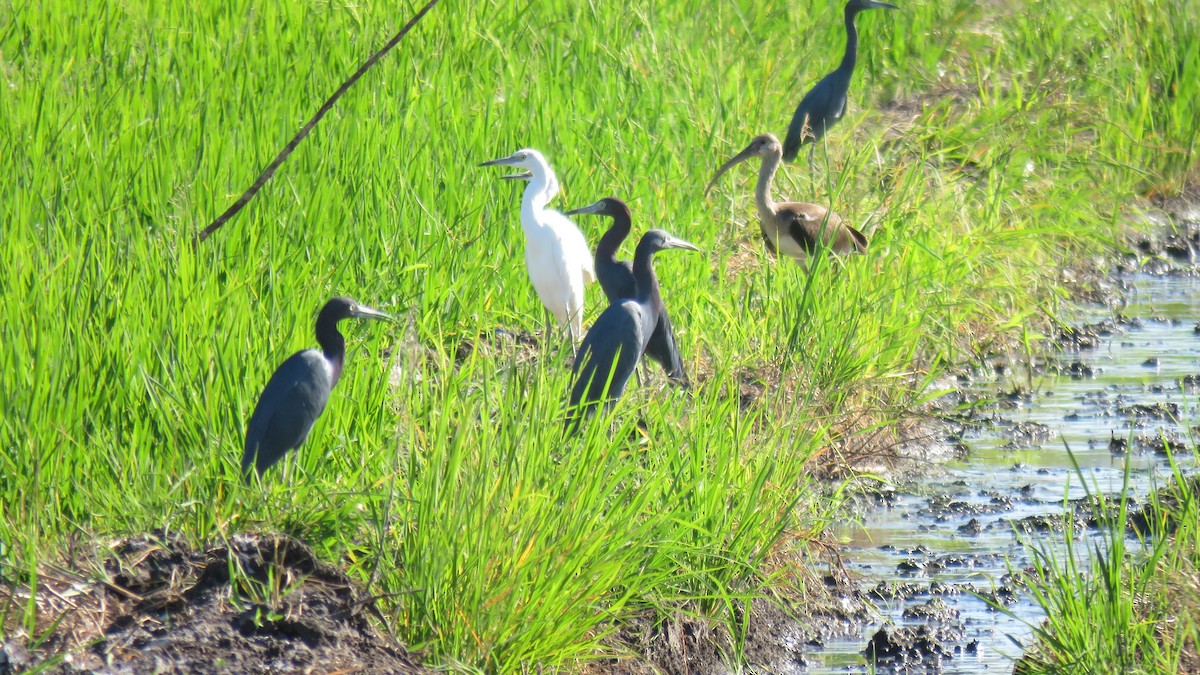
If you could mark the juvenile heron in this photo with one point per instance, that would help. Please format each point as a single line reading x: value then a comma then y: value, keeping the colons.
x: 556, y: 254
x: 795, y: 229
x: 298, y: 391
x: 613, y: 346
x: 825, y: 103
x: 616, y: 279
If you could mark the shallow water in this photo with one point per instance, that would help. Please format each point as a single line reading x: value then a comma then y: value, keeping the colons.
x: 916, y: 538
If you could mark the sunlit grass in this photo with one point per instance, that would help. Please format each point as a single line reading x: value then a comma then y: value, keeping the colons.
x: 131, y: 361
x: 1122, y: 599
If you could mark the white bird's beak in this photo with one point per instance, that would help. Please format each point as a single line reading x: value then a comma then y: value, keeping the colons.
x: 503, y: 161
x: 511, y: 160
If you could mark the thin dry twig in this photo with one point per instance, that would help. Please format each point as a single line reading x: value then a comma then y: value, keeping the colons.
x: 304, y: 131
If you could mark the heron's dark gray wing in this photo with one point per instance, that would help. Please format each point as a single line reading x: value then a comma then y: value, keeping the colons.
x: 819, y: 109
x: 612, y: 347
x: 663, y: 348
x: 293, y: 399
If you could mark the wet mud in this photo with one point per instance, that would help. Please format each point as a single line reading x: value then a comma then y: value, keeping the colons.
x: 262, y: 604
x: 1040, y: 450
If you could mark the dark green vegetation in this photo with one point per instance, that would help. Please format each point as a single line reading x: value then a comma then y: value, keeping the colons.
x: 987, y: 145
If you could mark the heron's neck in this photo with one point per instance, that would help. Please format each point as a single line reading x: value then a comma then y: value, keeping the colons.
x: 333, y: 346
x: 542, y: 187
x: 851, y: 54
x: 607, y: 247
x: 643, y: 275
x: 766, y: 174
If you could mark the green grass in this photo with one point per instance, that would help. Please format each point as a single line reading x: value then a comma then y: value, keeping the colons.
x: 131, y: 361
x: 1116, y: 604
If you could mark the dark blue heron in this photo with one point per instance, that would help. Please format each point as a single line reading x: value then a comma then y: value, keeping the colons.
x: 610, y: 352
x: 616, y: 279
x: 298, y: 391
x: 825, y: 103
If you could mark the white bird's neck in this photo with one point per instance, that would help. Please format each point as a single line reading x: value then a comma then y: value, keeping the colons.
x: 766, y: 174
x: 543, y: 186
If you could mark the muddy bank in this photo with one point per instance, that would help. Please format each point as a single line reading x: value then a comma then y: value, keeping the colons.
x: 1038, y: 448
x: 261, y: 604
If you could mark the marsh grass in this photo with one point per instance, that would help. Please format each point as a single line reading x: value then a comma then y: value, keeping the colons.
x: 131, y: 361
x: 1121, y: 599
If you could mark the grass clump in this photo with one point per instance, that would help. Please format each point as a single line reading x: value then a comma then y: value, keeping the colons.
x: 985, y: 147
x: 1116, y: 602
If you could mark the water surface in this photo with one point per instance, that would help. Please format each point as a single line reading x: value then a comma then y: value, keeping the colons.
x: 954, y: 532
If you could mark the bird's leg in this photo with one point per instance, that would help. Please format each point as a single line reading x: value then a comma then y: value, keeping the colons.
x: 812, y: 164
x: 551, y: 330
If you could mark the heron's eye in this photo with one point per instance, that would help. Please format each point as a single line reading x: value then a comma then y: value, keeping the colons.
x: 521, y: 156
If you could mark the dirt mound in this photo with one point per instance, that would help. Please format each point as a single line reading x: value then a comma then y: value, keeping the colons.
x: 262, y: 603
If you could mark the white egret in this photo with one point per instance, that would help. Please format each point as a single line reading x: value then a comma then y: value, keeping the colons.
x: 556, y: 254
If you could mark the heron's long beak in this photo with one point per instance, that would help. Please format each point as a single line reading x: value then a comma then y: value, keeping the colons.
x: 875, y: 4
x: 676, y: 242
x: 590, y: 208
x: 737, y: 159
x: 509, y: 161
x: 503, y: 161
x: 364, y: 312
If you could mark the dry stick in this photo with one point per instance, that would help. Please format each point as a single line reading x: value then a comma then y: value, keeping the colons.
x: 287, y: 149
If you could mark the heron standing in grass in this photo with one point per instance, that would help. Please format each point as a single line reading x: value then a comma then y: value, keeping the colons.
x: 298, y: 391
x: 613, y: 346
x: 825, y: 103
x: 617, y: 280
x: 556, y: 254
x: 795, y: 229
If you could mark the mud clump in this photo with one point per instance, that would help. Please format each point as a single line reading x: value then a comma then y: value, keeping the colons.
x: 1028, y: 434
x: 262, y: 603
x: 935, y: 609
x: 894, y: 591
x: 1085, y: 337
x: 775, y: 640
x: 971, y: 527
x: 915, y: 648
x: 1163, y: 444
x: 1158, y: 411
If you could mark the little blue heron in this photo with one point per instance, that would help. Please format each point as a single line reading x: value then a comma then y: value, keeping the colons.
x: 298, y: 391
x: 825, y: 103
x: 616, y: 279
x: 613, y: 346
x: 796, y: 229
x: 556, y: 254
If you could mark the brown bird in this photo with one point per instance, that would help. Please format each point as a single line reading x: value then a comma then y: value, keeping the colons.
x: 795, y: 229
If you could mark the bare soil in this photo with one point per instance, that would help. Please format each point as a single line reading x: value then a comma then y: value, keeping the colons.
x: 152, y: 604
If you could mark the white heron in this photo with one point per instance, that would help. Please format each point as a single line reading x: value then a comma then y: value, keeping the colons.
x: 556, y: 254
